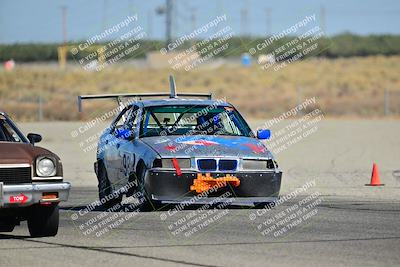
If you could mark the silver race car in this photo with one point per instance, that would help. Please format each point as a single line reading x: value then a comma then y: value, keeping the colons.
x: 187, y: 147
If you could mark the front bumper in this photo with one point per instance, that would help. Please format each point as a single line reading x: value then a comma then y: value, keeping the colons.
x: 234, y: 201
x: 23, y: 195
x: 255, y: 187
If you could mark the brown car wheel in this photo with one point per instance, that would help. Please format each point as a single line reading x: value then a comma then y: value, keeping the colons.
x: 43, y: 220
x: 7, y: 224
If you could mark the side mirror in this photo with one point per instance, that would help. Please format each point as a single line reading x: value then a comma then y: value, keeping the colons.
x: 34, y: 138
x: 124, y: 134
x: 264, y: 134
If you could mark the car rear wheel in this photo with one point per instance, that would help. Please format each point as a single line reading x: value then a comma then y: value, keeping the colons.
x: 106, y: 197
x: 43, y: 220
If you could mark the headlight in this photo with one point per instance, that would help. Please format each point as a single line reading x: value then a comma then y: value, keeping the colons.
x: 183, y: 163
x: 45, y: 167
x: 253, y: 164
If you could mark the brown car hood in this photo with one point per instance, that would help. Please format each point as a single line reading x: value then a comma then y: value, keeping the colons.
x: 14, y: 153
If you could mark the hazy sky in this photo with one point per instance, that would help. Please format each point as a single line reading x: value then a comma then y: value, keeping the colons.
x: 41, y: 20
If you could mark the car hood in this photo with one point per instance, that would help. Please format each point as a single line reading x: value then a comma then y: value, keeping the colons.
x: 17, y: 153
x: 205, y: 146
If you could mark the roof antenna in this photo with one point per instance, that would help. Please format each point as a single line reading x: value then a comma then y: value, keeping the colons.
x: 172, y: 87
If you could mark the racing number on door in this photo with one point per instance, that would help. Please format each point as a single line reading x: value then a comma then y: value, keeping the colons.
x: 128, y: 162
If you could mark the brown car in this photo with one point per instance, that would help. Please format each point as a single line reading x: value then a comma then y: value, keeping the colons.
x: 31, y: 182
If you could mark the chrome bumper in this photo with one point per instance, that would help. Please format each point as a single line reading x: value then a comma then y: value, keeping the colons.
x: 23, y: 195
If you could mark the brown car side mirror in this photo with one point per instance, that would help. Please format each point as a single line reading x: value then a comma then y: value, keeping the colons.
x: 34, y: 138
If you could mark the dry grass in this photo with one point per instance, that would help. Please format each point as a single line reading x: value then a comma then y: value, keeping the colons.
x: 343, y: 87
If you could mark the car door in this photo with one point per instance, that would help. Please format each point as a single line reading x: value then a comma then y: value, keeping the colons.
x: 112, y: 142
x: 127, y: 152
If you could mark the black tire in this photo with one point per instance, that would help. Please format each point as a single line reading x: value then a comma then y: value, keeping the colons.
x: 106, y: 197
x: 43, y: 221
x: 146, y: 203
x: 7, y: 224
x: 133, y: 189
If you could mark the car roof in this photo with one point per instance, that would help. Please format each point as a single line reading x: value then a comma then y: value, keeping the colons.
x: 182, y: 101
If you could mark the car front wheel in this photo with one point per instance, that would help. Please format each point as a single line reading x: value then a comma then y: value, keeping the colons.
x: 43, y: 221
x: 7, y: 224
x: 106, y: 197
x: 146, y: 204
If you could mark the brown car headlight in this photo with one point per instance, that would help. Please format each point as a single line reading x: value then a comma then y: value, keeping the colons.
x: 254, y: 164
x: 183, y: 163
x: 46, y: 167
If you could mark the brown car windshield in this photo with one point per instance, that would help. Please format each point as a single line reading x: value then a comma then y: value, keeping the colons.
x: 8, y: 133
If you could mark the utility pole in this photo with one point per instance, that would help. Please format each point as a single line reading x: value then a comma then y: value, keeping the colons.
x: 268, y: 29
x: 193, y: 22
x: 62, y: 50
x: 149, y: 24
x: 219, y: 10
x: 64, y: 11
x: 322, y: 19
x: 104, y: 16
x: 193, y: 18
x: 168, y: 21
x: 243, y: 21
x: 167, y: 10
x: 174, y: 20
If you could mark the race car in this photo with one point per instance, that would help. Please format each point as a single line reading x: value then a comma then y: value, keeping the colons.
x: 183, y: 148
x: 31, y: 182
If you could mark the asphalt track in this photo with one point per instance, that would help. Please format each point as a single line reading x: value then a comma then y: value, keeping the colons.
x: 343, y: 222
x: 342, y: 233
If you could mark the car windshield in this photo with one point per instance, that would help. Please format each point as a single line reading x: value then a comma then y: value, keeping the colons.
x: 193, y: 120
x: 7, y: 131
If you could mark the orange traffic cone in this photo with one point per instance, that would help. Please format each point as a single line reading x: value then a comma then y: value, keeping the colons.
x: 375, y: 181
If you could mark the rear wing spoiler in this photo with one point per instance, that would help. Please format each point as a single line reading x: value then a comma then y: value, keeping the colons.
x: 140, y: 96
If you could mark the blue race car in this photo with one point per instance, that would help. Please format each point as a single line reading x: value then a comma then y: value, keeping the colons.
x: 180, y: 150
